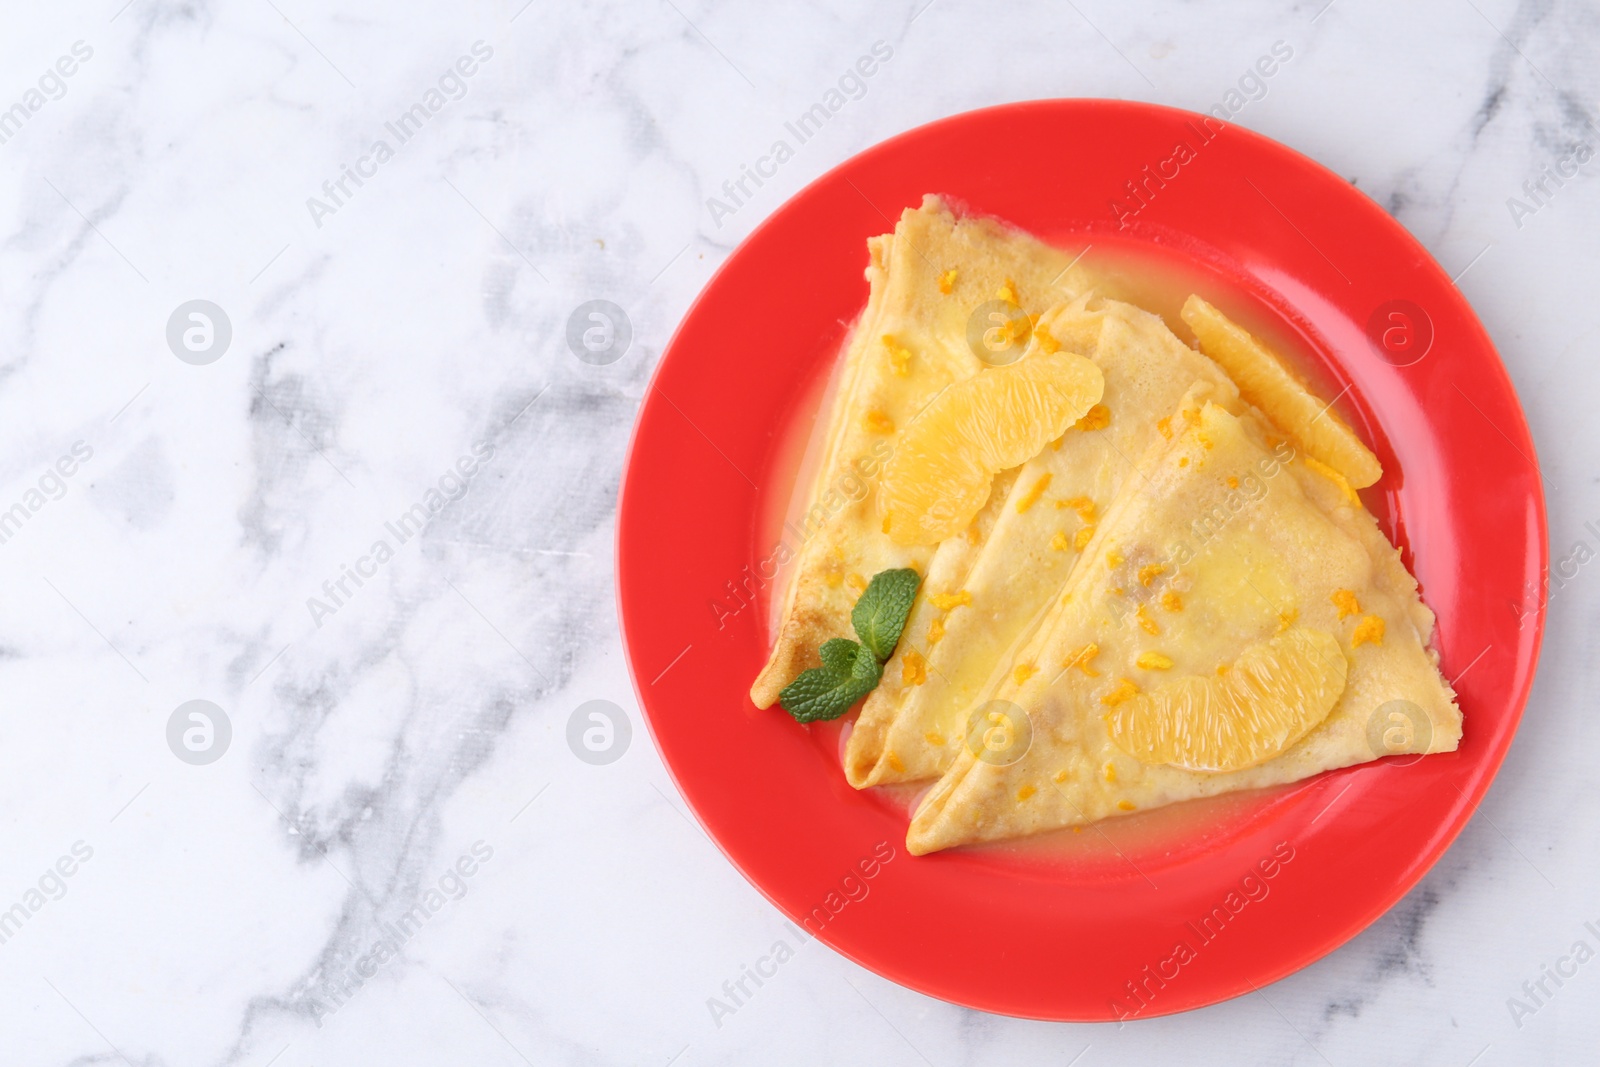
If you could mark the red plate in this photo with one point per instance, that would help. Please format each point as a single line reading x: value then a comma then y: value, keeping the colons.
x: 1091, y: 930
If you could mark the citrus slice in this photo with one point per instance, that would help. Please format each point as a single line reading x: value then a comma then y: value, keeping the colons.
x: 1275, y: 693
x: 1263, y: 380
x: 947, y: 456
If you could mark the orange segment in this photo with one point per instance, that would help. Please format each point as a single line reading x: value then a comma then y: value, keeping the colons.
x: 1268, y: 384
x: 1277, y: 691
x: 947, y: 456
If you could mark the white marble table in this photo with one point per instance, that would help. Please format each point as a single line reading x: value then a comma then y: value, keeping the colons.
x: 398, y: 373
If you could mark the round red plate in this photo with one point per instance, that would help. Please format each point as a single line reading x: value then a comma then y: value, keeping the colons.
x: 1137, y: 923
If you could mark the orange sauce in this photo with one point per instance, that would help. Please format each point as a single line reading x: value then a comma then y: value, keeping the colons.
x: 798, y: 456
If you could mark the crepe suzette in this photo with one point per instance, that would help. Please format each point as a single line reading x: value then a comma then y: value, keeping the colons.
x: 1238, y: 621
x: 928, y: 279
x: 985, y: 590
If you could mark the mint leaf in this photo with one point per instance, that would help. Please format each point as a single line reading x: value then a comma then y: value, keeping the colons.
x: 880, y: 614
x: 848, y: 673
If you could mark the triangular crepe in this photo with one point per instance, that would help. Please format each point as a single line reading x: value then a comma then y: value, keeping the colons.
x: 978, y: 602
x: 1231, y: 543
x: 927, y: 279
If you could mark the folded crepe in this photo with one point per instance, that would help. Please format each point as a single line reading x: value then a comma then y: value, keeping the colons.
x: 984, y: 592
x: 1238, y: 620
x: 927, y: 280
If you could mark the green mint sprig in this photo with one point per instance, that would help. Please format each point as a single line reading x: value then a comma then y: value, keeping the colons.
x: 849, y: 670
x: 881, y: 612
x: 848, y: 673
